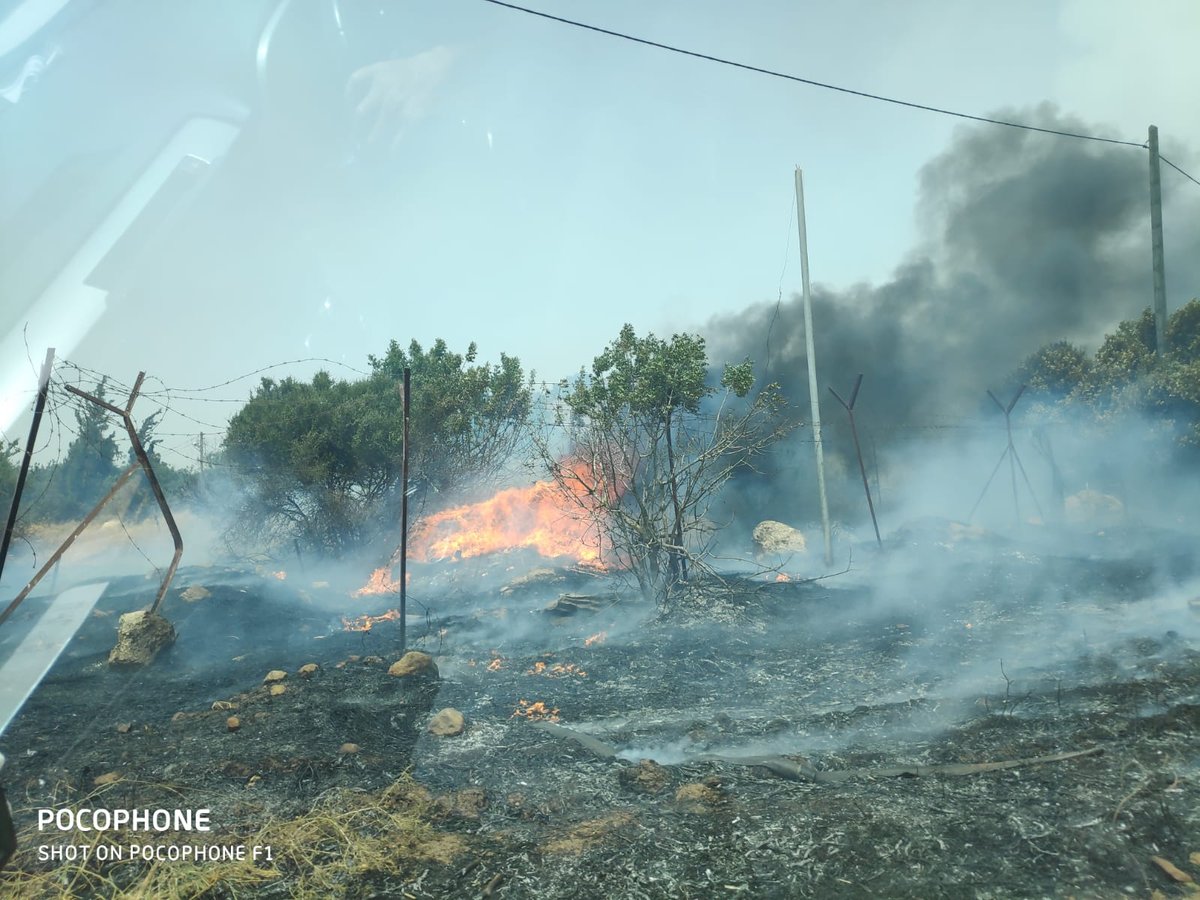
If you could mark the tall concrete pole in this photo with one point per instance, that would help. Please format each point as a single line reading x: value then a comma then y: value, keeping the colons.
x: 814, y: 395
x: 1156, y: 245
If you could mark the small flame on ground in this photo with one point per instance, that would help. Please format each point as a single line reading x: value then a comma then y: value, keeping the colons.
x: 535, y: 710
x: 783, y: 576
x: 495, y: 665
x: 366, y: 623
x: 598, y: 638
x: 281, y: 575
x: 380, y: 582
x: 558, y: 670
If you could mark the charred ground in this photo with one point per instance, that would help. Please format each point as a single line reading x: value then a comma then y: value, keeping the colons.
x: 865, y: 684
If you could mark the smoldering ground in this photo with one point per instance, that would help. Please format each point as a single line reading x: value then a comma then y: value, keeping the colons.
x: 1027, y: 239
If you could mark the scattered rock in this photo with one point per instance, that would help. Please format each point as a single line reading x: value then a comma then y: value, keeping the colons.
x: 224, y: 705
x: 447, y: 723
x: 1092, y: 509
x: 308, y: 670
x: 589, y: 834
x: 194, y: 593
x: 771, y: 537
x: 278, y: 690
x: 233, y: 723
x: 405, y: 794
x: 123, y: 728
x: 140, y: 636
x: 414, y: 662
x: 532, y: 579
x: 647, y: 777
x: 464, y: 804
x: 106, y: 778
x: 372, y: 660
x: 348, y: 749
x: 568, y: 604
x: 698, y: 797
x: 275, y: 675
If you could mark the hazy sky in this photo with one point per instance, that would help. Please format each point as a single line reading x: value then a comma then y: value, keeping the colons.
x: 550, y: 184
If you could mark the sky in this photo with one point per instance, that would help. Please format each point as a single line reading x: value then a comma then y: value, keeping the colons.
x: 535, y: 185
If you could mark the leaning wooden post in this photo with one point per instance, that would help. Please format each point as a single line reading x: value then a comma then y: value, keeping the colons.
x: 70, y: 539
x: 139, y: 451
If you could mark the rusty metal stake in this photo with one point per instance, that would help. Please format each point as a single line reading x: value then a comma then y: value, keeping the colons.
x: 858, y: 450
x: 70, y: 539
x: 43, y: 390
x: 144, y: 460
x: 1014, y: 462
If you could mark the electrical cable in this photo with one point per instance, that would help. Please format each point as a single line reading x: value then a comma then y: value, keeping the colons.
x: 831, y: 87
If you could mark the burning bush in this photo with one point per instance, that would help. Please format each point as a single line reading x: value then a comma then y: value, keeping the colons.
x: 320, y: 461
x: 652, y: 442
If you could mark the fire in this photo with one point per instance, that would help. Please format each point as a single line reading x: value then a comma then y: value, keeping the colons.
x: 783, y: 576
x: 558, y: 670
x: 380, y: 582
x: 495, y: 665
x: 281, y: 575
x: 537, y: 517
x: 598, y: 638
x: 366, y: 623
x: 536, y: 710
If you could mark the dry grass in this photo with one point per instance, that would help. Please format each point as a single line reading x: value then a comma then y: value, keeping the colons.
x: 347, y: 834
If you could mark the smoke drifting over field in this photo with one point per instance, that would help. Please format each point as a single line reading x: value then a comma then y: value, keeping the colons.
x: 1028, y: 239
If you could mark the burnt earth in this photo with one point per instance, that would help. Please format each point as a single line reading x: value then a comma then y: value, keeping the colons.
x: 1002, y: 655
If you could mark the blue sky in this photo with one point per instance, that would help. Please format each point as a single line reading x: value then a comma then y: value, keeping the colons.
x: 549, y: 184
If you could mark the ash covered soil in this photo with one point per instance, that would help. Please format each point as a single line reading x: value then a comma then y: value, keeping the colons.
x: 824, y: 739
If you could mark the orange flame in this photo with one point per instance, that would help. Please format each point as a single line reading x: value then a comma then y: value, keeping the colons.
x: 537, y: 517
x: 381, y: 582
x: 281, y: 575
x: 558, y: 670
x: 537, y: 711
x: 495, y: 665
x: 783, y: 576
x: 598, y: 638
x: 366, y: 623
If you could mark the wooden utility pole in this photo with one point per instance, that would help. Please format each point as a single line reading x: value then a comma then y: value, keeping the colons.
x: 814, y: 395
x: 1156, y: 248
x: 407, y: 401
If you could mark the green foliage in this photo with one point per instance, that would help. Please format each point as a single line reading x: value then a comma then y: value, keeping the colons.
x: 67, y: 491
x: 1125, y: 376
x: 1056, y: 370
x: 10, y: 458
x: 322, y: 460
x: 652, y: 440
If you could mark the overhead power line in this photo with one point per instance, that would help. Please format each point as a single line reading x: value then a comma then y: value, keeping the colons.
x: 829, y: 87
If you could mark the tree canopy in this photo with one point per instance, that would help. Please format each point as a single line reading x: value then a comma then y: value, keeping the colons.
x: 321, y: 460
x: 651, y: 440
x: 1126, y: 377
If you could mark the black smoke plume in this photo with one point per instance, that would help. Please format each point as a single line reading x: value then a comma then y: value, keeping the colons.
x: 1026, y: 239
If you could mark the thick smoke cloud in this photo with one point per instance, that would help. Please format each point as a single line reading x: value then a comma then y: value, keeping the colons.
x: 1026, y: 239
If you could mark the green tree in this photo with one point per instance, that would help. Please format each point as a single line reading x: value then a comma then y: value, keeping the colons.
x: 1126, y: 377
x: 651, y: 441
x: 177, y: 484
x: 88, y: 469
x: 1055, y: 371
x: 321, y: 460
